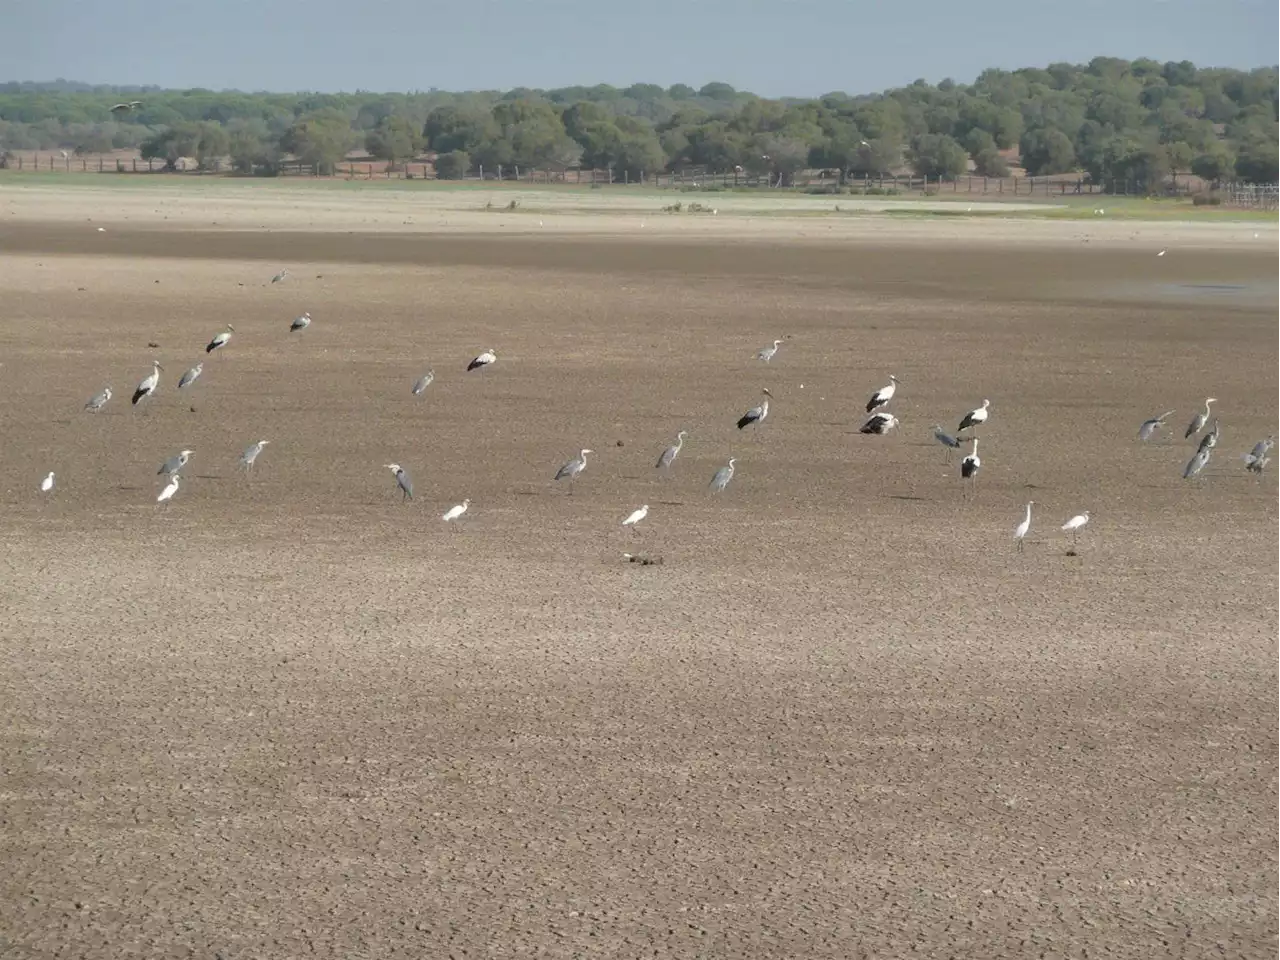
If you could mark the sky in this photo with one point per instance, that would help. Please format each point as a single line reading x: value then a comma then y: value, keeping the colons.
x: 777, y: 48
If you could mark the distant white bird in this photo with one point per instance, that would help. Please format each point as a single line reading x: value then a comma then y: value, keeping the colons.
x: 1199, y: 420
x: 483, y: 360
x: 280, y: 276
x: 574, y: 467
x: 128, y: 107
x: 220, y: 340
x: 147, y: 385
x: 1020, y: 531
x: 251, y: 453
x: 883, y: 395
x: 1149, y: 427
x: 191, y: 376
x: 975, y: 417
x: 423, y: 382
x: 879, y: 423
x: 47, y: 483
x: 1073, y: 525
x: 668, y: 456
x: 721, y: 478
x: 453, y: 513
x: 757, y: 413
x: 403, y: 480
x: 300, y: 323
x: 1162, y: 253
x: 99, y: 400
x: 175, y: 463
x: 636, y: 516
x: 768, y: 353
x: 170, y: 489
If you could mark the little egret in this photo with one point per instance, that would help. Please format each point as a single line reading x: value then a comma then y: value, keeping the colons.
x: 1020, y: 531
x: 454, y: 512
x: 170, y: 489
x: 1073, y: 526
x: 47, y: 483
x: 634, y: 517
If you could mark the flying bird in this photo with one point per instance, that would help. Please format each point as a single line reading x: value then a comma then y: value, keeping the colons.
x: 170, y: 489
x: 220, y: 340
x: 757, y: 413
x: 879, y: 423
x: 486, y: 358
x: 883, y: 395
x: 147, y: 385
x: 99, y: 400
x: 423, y: 382
x: 300, y: 323
x: 1020, y: 531
x: 47, y: 483
x: 454, y: 512
x: 975, y: 417
x: 1151, y: 426
x: 251, y: 454
x: 128, y: 107
x: 768, y: 353
x: 1199, y: 420
x: 403, y: 480
x: 175, y: 463
x: 574, y: 467
x: 669, y: 455
x: 191, y: 376
x: 636, y: 516
x: 280, y: 276
x: 721, y: 478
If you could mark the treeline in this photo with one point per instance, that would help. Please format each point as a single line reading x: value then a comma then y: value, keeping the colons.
x: 1139, y: 120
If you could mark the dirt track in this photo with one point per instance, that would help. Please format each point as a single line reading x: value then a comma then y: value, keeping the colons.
x: 295, y: 717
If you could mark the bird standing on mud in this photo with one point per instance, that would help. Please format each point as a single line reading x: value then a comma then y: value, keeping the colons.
x: 757, y: 413
x: 403, y: 481
x: 220, y: 340
x: 883, y: 395
x: 574, y: 467
x: 147, y: 386
x: 483, y: 360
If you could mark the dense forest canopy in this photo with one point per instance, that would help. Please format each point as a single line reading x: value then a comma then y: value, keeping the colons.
x: 1138, y: 120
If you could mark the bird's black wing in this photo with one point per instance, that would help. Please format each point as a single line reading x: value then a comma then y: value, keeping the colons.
x: 138, y: 395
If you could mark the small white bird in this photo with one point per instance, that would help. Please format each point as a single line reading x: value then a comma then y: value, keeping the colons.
x: 280, y: 276
x: 1162, y: 253
x: 632, y: 519
x: 1020, y: 531
x: 171, y: 489
x: 47, y: 483
x: 220, y: 340
x: 883, y: 395
x: 976, y: 416
x: 453, y: 513
x: 423, y: 382
x: 191, y: 376
x: 486, y: 358
x: 1073, y: 525
x: 300, y: 323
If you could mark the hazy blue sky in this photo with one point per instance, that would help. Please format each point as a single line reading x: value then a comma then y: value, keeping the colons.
x: 801, y: 47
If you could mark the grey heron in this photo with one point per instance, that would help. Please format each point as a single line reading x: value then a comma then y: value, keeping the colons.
x: 99, y: 400
x: 636, y: 516
x: 1210, y: 439
x: 280, y: 276
x: 47, y: 483
x: 300, y: 323
x: 220, y: 339
x: 574, y: 467
x: 944, y: 438
x: 1149, y: 427
x: 170, y: 489
x: 191, y: 376
x: 251, y: 453
x: 669, y: 455
x: 976, y: 416
x: 423, y: 382
x: 147, y: 385
x: 721, y: 478
x: 1074, y: 525
x: 1197, y: 463
x: 1020, y: 531
x: 879, y: 423
x: 970, y: 465
x: 883, y: 395
x: 768, y: 353
x: 454, y: 512
x: 403, y: 480
x: 1199, y: 420
x: 483, y: 360
x: 1256, y: 460
x: 757, y: 413
x: 175, y: 463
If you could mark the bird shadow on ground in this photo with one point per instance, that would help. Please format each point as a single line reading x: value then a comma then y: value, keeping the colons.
x: 906, y: 496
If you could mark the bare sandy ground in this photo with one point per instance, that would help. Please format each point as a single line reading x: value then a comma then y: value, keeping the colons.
x: 294, y: 716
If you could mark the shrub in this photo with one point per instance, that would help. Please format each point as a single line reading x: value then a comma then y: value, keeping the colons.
x: 1207, y: 198
x: 453, y: 165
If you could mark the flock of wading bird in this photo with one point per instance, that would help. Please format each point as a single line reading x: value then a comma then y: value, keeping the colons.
x: 879, y: 422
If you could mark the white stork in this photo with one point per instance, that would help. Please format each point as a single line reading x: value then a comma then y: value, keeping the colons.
x: 483, y: 360
x: 883, y: 395
x: 220, y: 340
x: 147, y: 385
x: 757, y: 413
x: 975, y: 416
x: 879, y: 423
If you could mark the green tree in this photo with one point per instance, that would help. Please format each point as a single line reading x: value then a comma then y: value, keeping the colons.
x: 321, y: 138
x: 394, y: 139
x: 203, y: 141
x: 939, y: 156
x: 530, y: 134
x: 454, y: 165
x: 1216, y: 163
x: 990, y: 163
x: 1047, y: 151
x: 1258, y: 161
